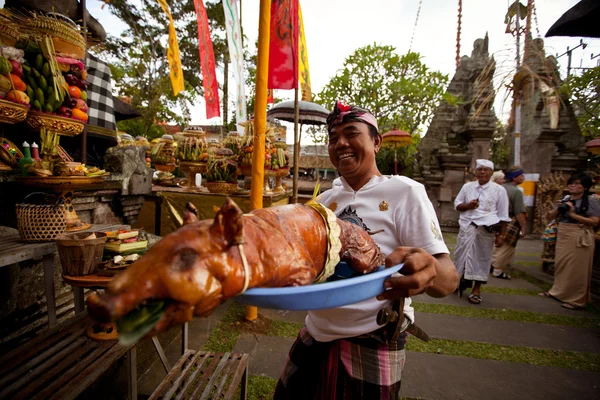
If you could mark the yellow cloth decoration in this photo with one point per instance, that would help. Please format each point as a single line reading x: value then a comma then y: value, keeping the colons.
x: 173, y: 53
x: 303, y: 60
x: 334, y: 245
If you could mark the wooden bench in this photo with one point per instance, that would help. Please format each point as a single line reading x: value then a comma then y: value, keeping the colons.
x: 60, y: 363
x: 205, y: 375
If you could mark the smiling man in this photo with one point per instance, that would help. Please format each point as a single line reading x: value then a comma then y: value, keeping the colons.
x: 350, y: 352
x: 483, y: 207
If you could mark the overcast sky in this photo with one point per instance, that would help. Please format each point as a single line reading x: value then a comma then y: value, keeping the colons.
x: 335, y: 28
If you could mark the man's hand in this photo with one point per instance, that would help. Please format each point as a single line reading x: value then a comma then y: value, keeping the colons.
x: 419, y: 270
x: 473, y: 204
x: 499, y: 241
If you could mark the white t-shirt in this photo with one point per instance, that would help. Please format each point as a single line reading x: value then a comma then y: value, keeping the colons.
x: 400, y: 207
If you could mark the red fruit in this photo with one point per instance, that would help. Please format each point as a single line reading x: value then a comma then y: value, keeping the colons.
x: 64, y: 111
x: 81, y: 105
x: 16, y: 68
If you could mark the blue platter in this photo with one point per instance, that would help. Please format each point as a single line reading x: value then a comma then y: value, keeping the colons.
x: 342, y: 291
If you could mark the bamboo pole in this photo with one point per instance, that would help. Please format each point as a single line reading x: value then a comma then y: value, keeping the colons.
x: 260, y: 118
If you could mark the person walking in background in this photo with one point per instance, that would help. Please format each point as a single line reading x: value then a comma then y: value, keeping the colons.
x: 503, y: 255
x: 498, y: 177
x: 483, y: 207
x: 578, y: 215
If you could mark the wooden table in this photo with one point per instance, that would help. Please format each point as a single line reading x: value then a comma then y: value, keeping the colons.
x: 13, y: 251
x: 169, y: 203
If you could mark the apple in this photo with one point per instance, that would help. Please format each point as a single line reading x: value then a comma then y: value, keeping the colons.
x: 16, y: 68
x: 64, y: 111
x: 82, y: 105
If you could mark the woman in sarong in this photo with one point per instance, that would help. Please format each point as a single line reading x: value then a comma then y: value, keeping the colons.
x: 344, y: 353
x: 578, y: 215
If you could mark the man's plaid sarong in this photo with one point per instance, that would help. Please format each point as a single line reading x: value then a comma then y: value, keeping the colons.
x: 353, y: 368
x: 512, y: 233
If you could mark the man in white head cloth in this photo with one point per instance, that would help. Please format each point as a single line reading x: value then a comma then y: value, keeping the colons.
x: 483, y: 207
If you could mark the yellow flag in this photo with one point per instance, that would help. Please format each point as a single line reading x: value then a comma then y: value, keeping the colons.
x: 303, y: 58
x: 173, y: 53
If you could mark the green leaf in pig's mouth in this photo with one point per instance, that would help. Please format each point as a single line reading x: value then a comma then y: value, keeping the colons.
x: 135, y: 325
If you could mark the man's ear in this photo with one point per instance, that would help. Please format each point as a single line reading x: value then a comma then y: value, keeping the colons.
x: 228, y: 223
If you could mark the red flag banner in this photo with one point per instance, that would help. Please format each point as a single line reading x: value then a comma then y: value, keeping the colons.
x: 207, y: 62
x: 283, y: 48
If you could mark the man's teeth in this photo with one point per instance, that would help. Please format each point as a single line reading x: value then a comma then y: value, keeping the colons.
x: 346, y: 155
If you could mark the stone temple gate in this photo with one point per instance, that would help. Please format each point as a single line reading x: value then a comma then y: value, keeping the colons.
x: 460, y: 134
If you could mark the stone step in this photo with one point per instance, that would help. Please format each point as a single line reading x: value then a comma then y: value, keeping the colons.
x: 439, y: 377
x: 268, y: 354
x: 510, y: 333
x: 510, y: 302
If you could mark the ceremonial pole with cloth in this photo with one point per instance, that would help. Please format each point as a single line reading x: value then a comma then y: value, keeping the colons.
x: 260, y: 117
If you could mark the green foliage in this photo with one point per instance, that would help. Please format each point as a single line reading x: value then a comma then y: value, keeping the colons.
x: 401, y: 91
x: 584, y: 93
x: 500, y: 147
x: 139, y: 64
x: 135, y: 127
x: 407, y: 157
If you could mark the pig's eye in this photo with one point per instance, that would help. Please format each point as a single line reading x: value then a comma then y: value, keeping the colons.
x: 186, y: 260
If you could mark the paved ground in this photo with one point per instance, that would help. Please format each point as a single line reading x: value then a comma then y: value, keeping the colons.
x: 484, y: 373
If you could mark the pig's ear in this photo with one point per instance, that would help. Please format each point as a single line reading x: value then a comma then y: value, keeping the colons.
x: 191, y: 214
x: 228, y: 223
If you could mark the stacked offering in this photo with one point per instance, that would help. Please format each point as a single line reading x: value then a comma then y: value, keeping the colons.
x: 124, y: 242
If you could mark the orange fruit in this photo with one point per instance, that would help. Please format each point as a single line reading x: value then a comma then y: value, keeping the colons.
x: 80, y: 115
x: 74, y: 92
x: 19, y: 84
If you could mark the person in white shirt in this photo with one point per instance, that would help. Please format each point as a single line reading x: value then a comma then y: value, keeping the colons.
x: 343, y: 353
x: 483, y: 207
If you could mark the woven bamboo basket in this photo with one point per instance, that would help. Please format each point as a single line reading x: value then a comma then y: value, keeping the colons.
x: 64, y: 126
x: 12, y: 113
x: 222, y: 187
x: 80, y: 256
x: 40, y: 223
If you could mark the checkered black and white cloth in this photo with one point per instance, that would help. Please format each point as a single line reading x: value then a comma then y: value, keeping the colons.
x: 100, y: 99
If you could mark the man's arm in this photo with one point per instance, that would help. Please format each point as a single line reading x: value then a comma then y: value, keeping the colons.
x: 523, y: 222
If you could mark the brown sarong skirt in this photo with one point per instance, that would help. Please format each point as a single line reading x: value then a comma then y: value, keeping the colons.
x: 573, y: 264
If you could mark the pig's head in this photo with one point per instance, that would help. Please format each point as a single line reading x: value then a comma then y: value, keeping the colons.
x: 189, y: 272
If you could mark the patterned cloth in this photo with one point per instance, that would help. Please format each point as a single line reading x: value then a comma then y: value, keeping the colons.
x: 343, y: 113
x: 512, y: 233
x: 364, y: 368
x: 100, y: 99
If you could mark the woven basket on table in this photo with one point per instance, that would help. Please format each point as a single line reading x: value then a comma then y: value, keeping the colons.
x: 40, y: 223
x: 222, y: 187
x: 78, y: 255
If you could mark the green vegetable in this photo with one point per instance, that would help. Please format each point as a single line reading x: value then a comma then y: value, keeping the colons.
x: 35, y: 73
x: 31, y: 82
x: 5, y: 66
x: 37, y: 106
x: 43, y: 84
x: 46, y: 70
x: 39, y: 96
x: 135, y: 325
x: 39, y: 62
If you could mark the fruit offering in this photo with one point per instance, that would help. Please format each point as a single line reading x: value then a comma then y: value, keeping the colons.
x: 34, y: 77
x: 12, y: 86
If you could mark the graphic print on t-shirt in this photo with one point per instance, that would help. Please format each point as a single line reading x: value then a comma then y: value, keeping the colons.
x: 351, y: 216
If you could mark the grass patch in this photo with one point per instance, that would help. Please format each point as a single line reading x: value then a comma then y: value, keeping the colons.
x: 507, y: 315
x: 283, y: 329
x: 517, y: 273
x: 227, y: 332
x: 529, y: 263
x: 261, y: 387
x: 525, y: 355
x: 509, y: 291
x: 449, y: 238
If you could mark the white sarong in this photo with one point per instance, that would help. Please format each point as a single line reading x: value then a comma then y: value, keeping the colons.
x: 473, y: 254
